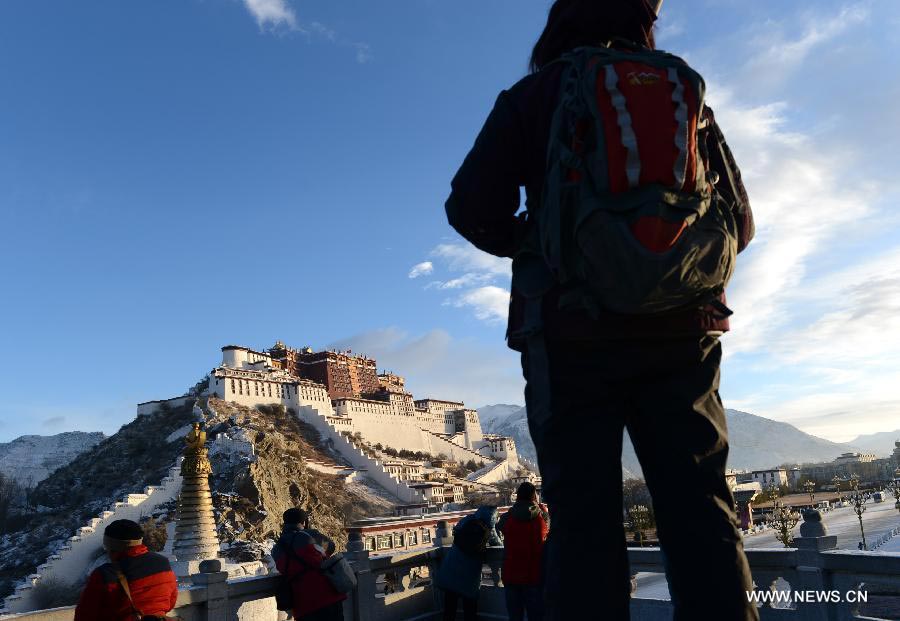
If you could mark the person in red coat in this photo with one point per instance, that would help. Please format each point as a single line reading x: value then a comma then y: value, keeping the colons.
x: 525, y: 527
x: 298, y: 554
x: 151, y: 585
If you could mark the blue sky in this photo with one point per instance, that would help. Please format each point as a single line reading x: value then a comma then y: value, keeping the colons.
x: 180, y: 175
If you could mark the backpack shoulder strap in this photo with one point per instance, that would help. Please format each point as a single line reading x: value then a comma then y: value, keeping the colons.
x: 293, y: 553
x: 123, y: 582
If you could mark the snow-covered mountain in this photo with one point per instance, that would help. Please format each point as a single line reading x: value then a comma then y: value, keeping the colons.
x: 490, y: 414
x: 31, y: 459
x: 755, y: 442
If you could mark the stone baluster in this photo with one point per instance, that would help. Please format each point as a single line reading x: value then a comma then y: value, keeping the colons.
x: 494, y: 566
x: 811, y: 574
x: 360, y: 606
x: 443, y: 535
x: 215, y: 581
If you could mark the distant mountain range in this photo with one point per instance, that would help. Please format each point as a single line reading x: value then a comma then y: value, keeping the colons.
x: 755, y: 442
x: 31, y: 459
x: 882, y: 443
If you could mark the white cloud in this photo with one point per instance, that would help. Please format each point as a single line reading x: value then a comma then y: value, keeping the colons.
x: 490, y: 303
x: 323, y: 30
x: 802, y: 199
x: 776, y: 54
x: 272, y: 13
x: 469, y: 279
x: 421, y: 269
x: 363, y: 52
x: 465, y: 257
x: 815, y: 310
x: 475, y: 275
x: 440, y: 366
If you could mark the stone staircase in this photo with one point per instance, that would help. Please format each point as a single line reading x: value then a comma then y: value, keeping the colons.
x: 373, y: 468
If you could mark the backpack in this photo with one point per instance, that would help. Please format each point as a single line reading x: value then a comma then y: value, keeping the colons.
x: 471, y: 537
x: 335, y: 568
x: 629, y: 220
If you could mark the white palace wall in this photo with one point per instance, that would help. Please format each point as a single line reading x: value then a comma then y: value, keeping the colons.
x: 373, y: 467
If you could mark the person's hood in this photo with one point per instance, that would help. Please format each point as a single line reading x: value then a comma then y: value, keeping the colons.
x: 525, y: 512
x: 488, y: 515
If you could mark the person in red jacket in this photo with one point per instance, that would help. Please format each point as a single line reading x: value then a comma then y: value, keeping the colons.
x: 134, y: 582
x: 298, y: 553
x: 524, y: 527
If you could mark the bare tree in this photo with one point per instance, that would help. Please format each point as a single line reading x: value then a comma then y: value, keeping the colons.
x: 10, y: 493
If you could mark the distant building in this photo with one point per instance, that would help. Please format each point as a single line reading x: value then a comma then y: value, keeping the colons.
x: 855, y: 458
x: 778, y: 476
x: 346, y: 390
x: 795, y: 475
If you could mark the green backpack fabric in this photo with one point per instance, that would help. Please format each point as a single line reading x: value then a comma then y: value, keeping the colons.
x: 629, y: 220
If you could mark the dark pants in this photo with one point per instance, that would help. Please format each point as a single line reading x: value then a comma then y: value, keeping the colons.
x: 334, y: 612
x: 521, y: 599
x: 665, y: 392
x: 451, y: 601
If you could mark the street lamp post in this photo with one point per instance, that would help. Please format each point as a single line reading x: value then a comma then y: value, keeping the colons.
x: 772, y: 491
x: 837, y: 483
x: 639, y: 514
x: 858, y: 500
x: 783, y: 520
x: 809, y: 486
x: 895, y: 490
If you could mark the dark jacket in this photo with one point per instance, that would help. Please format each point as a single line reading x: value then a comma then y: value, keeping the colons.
x: 460, y: 572
x: 524, y: 527
x: 312, y: 590
x: 509, y: 153
x: 153, y: 586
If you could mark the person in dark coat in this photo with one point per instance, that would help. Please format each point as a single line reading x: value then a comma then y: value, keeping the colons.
x: 459, y: 575
x: 590, y: 375
x: 524, y: 528
x: 149, y: 577
x: 298, y: 554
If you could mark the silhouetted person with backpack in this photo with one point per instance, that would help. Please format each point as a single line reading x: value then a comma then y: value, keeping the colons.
x: 135, y: 582
x: 635, y: 215
x: 298, y: 555
x: 459, y: 575
x: 524, y: 527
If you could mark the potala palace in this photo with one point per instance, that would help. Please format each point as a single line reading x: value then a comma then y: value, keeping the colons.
x: 347, y: 392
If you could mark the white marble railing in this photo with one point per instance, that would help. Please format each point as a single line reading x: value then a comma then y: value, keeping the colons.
x: 398, y: 588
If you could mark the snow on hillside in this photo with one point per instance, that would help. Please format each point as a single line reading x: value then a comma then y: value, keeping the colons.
x: 31, y: 459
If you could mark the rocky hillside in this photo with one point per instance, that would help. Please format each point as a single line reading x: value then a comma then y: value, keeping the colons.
x: 756, y: 442
x: 259, y: 470
x: 28, y: 460
x: 252, y: 491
